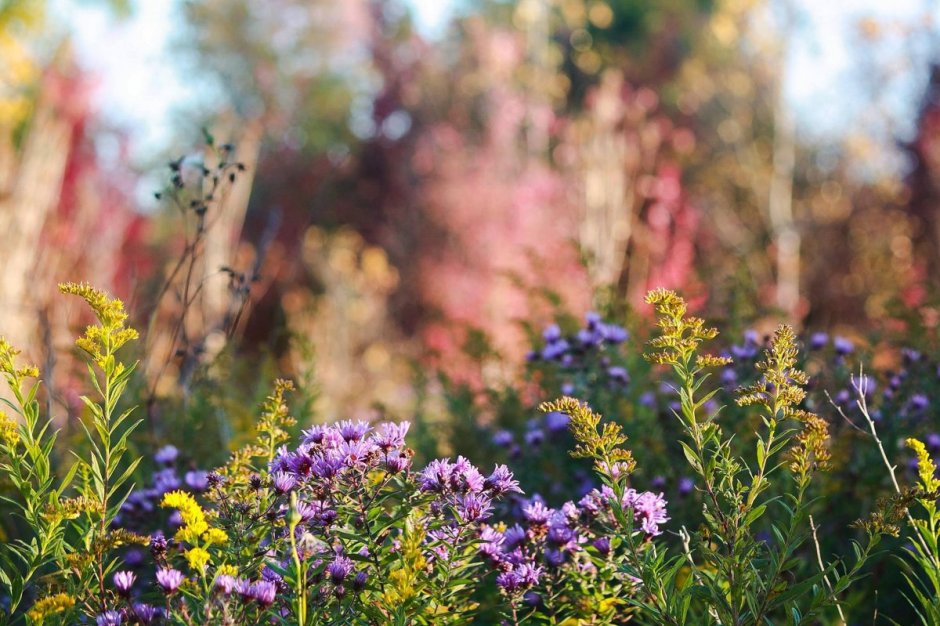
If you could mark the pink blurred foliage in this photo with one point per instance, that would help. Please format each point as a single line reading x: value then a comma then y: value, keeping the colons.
x: 672, y: 225
x: 92, y: 232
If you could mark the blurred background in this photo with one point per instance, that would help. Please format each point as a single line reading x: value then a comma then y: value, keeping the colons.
x: 349, y: 193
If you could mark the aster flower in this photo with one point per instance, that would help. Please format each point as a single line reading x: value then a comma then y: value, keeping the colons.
x: 339, y: 569
x: 283, y: 482
x: 263, y: 592
x: 353, y: 431
x: 197, y: 480
x: 224, y: 584
x: 359, y: 582
x: 537, y: 513
x: 556, y: 421
x: 166, y: 455
x: 602, y: 545
x: 314, y: 434
x: 327, y: 465
x: 534, y: 437
x: 502, y: 481
x: 843, y: 346
x: 243, y: 589
x: 818, y: 341
x: 473, y: 507
x: 650, y: 509
x: 356, y: 451
x: 169, y: 579
x: 158, y: 545
x: 124, y: 580
x: 109, y: 618
x: 214, y: 479
x: 390, y: 436
x: 396, y: 462
x: 146, y: 613
x: 502, y: 438
x: 436, y: 476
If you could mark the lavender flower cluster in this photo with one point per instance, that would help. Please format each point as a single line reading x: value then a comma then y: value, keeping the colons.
x: 335, y: 505
x: 584, y: 349
x: 547, y: 541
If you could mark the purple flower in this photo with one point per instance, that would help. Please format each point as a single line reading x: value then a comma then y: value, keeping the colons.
x: 650, y: 509
x: 166, y: 455
x: 818, y: 341
x: 686, y: 485
x: 556, y: 421
x: 158, y: 545
x: 910, y: 355
x: 390, y: 436
x: 501, y: 481
x: 502, y: 438
x: 396, y: 462
x: 436, y: 476
x: 919, y: 402
x: 224, y: 584
x: 327, y: 465
x: 283, y: 482
x: 133, y: 557
x: 534, y: 437
x: 169, y: 579
x: 359, y: 582
x: 466, y: 477
x: 356, y: 451
x: 314, y: 434
x: 843, y: 346
x: 263, y: 592
x: 602, y: 545
x: 537, y: 513
x: 109, y: 618
x: 353, y: 431
x: 165, y: 480
x: 615, y: 334
x: 124, y: 580
x: 933, y: 442
x: 551, y: 333
x: 243, y: 588
x: 339, y: 569
x: 146, y: 613
x: 197, y: 480
x: 618, y: 374
x: 473, y: 507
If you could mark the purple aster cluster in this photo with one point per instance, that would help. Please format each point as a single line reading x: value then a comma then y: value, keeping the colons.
x: 328, y: 452
x: 545, y: 541
x: 140, y: 511
x: 582, y: 349
x: 462, y: 489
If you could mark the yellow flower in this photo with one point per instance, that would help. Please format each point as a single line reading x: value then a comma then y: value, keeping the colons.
x: 198, y: 558
x: 9, y: 433
x: 189, y: 510
x: 926, y: 469
x: 215, y: 536
x: 50, y: 606
x: 227, y: 570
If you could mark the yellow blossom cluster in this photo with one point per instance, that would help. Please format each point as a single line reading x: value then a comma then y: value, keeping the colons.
x: 926, y: 470
x: 195, y: 529
x: 50, y: 606
x: 111, y: 334
x: 9, y: 432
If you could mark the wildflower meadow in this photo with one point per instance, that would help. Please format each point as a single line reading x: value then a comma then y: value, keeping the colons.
x: 476, y: 312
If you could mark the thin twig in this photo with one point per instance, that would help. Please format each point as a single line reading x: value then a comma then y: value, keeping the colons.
x: 822, y: 568
x: 861, y: 387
